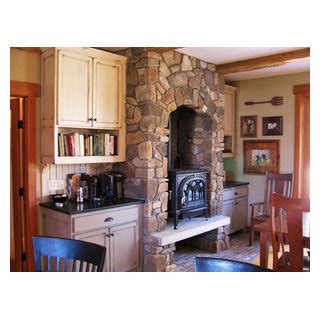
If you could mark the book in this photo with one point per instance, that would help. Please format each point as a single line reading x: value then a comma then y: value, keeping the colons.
x: 90, y: 145
x: 59, y: 145
x: 70, y: 141
x: 111, y: 145
x: 107, y: 144
x: 65, y: 142
x: 81, y: 145
x: 115, y: 145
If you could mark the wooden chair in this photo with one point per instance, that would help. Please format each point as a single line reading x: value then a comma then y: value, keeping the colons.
x: 286, y: 219
x: 281, y: 183
x: 60, y: 254
x: 205, y: 264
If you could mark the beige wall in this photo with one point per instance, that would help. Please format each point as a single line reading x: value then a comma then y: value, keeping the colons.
x: 260, y: 90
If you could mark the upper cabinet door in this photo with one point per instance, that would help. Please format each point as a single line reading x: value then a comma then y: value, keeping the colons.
x: 107, y: 93
x: 74, y: 89
x: 229, y: 100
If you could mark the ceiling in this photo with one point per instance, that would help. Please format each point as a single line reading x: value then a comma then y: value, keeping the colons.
x: 222, y: 55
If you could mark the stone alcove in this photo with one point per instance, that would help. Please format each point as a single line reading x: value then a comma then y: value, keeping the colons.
x: 158, y: 84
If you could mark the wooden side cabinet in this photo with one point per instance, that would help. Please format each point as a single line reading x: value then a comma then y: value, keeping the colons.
x: 119, y: 230
x: 229, y: 112
x: 235, y: 206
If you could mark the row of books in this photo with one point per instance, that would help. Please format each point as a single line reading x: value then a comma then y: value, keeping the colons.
x: 79, y: 145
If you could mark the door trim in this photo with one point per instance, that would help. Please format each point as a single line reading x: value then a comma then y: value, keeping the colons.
x: 28, y: 91
x: 302, y: 126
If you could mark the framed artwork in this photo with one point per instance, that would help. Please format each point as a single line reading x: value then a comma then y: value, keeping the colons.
x: 272, y: 126
x: 248, y: 126
x: 261, y: 156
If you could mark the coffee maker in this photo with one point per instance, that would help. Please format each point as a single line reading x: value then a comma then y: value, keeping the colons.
x: 111, y: 185
x: 90, y: 186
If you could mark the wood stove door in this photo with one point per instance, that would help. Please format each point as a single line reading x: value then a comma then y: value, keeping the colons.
x: 192, y: 192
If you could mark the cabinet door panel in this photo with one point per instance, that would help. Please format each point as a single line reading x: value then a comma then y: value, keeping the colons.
x: 74, y: 89
x: 228, y: 210
x: 240, y: 213
x: 124, y: 247
x: 98, y: 238
x: 107, y: 94
x: 228, y: 113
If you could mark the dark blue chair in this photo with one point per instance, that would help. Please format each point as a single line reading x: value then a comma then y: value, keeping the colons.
x: 205, y: 264
x: 60, y: 254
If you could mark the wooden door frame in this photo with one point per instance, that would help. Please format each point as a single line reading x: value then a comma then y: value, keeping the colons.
x: 301, y: 92
x: 28, y: 91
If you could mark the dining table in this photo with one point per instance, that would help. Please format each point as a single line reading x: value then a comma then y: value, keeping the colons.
x: 265, y: 237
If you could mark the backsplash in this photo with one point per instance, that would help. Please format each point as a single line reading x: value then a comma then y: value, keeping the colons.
x: 60, y: 171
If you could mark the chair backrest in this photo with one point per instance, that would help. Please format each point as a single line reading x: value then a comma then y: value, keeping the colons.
x: 205, y: 264
x: 60, y: 254
x: 281, y: 183
x: 287, y: 224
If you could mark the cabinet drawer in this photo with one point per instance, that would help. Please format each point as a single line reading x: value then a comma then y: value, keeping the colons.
x: 105, y: 219
x: 235, y: 192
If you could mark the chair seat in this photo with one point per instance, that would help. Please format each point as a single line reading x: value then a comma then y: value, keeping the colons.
x: 284, y: 262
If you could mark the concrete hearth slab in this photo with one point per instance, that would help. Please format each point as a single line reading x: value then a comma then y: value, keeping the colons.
x: 188, y: 228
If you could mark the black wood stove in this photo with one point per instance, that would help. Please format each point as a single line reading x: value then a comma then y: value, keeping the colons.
x: 187, y: 193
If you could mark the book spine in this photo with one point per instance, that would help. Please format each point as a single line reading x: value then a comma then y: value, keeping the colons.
x: 106, y: 144
x: 59, y: 145
x: 111, y: 145
x: 115, y: 145
x: 81, y: 144
x: 66, y: 144
x: 90, y: 145
x: 63, y: 152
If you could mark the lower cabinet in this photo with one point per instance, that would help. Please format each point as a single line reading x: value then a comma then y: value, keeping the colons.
x: 235, y: 206
x: 117, y: 230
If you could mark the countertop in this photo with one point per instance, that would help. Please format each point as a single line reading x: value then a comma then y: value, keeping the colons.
x: 72, y: 207
x: 233, y: 184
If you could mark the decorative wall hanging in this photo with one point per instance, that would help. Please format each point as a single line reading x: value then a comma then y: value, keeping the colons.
x: 275, y: 101
x: 261, y: 156
x: 272, y: 126
x: 248, y: 126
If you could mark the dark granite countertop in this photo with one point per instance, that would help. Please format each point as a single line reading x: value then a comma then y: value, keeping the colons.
x: 72, y: 207
x: 233, y: 184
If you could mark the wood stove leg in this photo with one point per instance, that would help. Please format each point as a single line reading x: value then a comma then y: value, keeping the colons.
x: 175, y: 221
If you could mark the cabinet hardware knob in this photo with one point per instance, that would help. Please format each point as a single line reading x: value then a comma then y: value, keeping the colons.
x: 236, y: 193
x: 94, y: 119
x: 90, y: 119
x: 108, y: 219
x: 108, y: 235
x: 111, y: 234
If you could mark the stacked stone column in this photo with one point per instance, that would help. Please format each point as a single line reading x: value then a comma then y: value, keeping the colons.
x: 158, y: 84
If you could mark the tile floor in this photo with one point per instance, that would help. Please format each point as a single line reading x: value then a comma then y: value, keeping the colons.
x: 239, y: 250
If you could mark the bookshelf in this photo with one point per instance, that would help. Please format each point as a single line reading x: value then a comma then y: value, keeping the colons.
x: 82, y: 106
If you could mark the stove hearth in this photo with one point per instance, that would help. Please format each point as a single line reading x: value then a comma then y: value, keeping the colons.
x: 187, y: 193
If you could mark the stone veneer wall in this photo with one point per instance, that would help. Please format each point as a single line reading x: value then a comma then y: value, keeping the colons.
x: 158, y: 84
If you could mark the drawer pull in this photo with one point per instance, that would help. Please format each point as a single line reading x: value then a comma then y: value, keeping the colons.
x: 108, y: 219
x: 111, y: 234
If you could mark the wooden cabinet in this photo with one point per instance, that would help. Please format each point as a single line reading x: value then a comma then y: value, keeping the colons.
x: 116, y: 229
x: 229, y: 112
x: 235, y: 206
x: 82, y: 89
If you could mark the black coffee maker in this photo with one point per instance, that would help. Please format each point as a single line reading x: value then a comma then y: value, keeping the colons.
x: 90, y: 187
x: 111, y: 185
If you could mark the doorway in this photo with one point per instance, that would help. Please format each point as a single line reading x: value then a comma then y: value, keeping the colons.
x: 23, y: 207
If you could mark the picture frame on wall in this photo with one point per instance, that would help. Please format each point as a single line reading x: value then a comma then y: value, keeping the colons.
x: 272, y: 126
x: 248, y: 126
x: 261, y: 156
